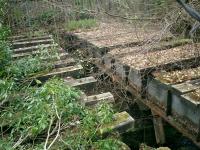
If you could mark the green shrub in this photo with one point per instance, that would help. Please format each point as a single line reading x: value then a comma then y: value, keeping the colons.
x: 4, y: 32
x: 81, y: 24
x: 5, y: 56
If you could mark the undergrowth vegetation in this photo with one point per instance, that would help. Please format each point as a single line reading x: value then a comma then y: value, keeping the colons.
x: 81, y: 24
x: 50, y: 115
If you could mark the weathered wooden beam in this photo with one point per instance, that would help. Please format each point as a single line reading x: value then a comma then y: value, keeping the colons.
x: 187, y: 86
x: 31, y: 38
x: 95, y: 99
x: 33, y: 48
x: 85, y: 84
x: 64, y: 63
x: 21, y: 55
x: 31, y: 43
x: 121, y: 123
x: 61, y: 72
x: 158, y: 128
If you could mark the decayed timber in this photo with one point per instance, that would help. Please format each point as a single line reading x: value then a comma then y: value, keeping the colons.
x: 141, y: 65
x: 85, y: 84
x: 95, y: 99
x: 21, y: 55
x: 33, y: 48
x: 26, y: 39
x: 112, y: 35
x: 61, y: 72
x: 136, y: 68
x: 31, y: 43
x: 158, y: 128
x: 171, y: 91
x: 64, y: 63
x: 122, y: 122
x: 180, y: 81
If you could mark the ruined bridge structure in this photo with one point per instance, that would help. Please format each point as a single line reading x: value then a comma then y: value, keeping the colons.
x: 161, y: 71
x: 67, y: 68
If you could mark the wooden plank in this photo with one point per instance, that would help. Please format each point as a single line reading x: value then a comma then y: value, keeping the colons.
x: 64, y: 63
x: 187, y: 86
x: 33, y: 48
x: 158, y: 128
x: 191, y: 97
x: 178, y: 82
x: 151, y: 61
x: 61, y: 72
x: 31, y: 38
x: 85, y: 84
x: 121, y: 123
x: 21, y: 55
x: 31, y: 43
x: 175, y: 120
x: 16, y: 37
x: 94, y: 99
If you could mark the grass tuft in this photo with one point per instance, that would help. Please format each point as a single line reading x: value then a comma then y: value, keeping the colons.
x: 81, y: 24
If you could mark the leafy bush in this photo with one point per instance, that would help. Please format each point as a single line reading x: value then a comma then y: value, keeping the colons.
x: 5, y: 56
x: 81, y: 24
x: 27, y: 66
x: 36, y: 112
x: 4, y: 32
x: 6, y: 87
x: 32, y: 65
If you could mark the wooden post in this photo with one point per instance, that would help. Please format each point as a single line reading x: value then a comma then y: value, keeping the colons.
x: 158, y: 128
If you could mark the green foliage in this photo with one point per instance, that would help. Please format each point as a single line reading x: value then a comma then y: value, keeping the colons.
x: 3, y: 9
x: 34, y: 110
x: 31, y: 113
x: 33, y: 65
x: 5, y: 56
x: 47, y: 17
x: 4, y: 32
x: 27, y: 66
x: 81, y: 24
x: 109, y: 144
x: 6, y: 87
x: 5, y: 145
